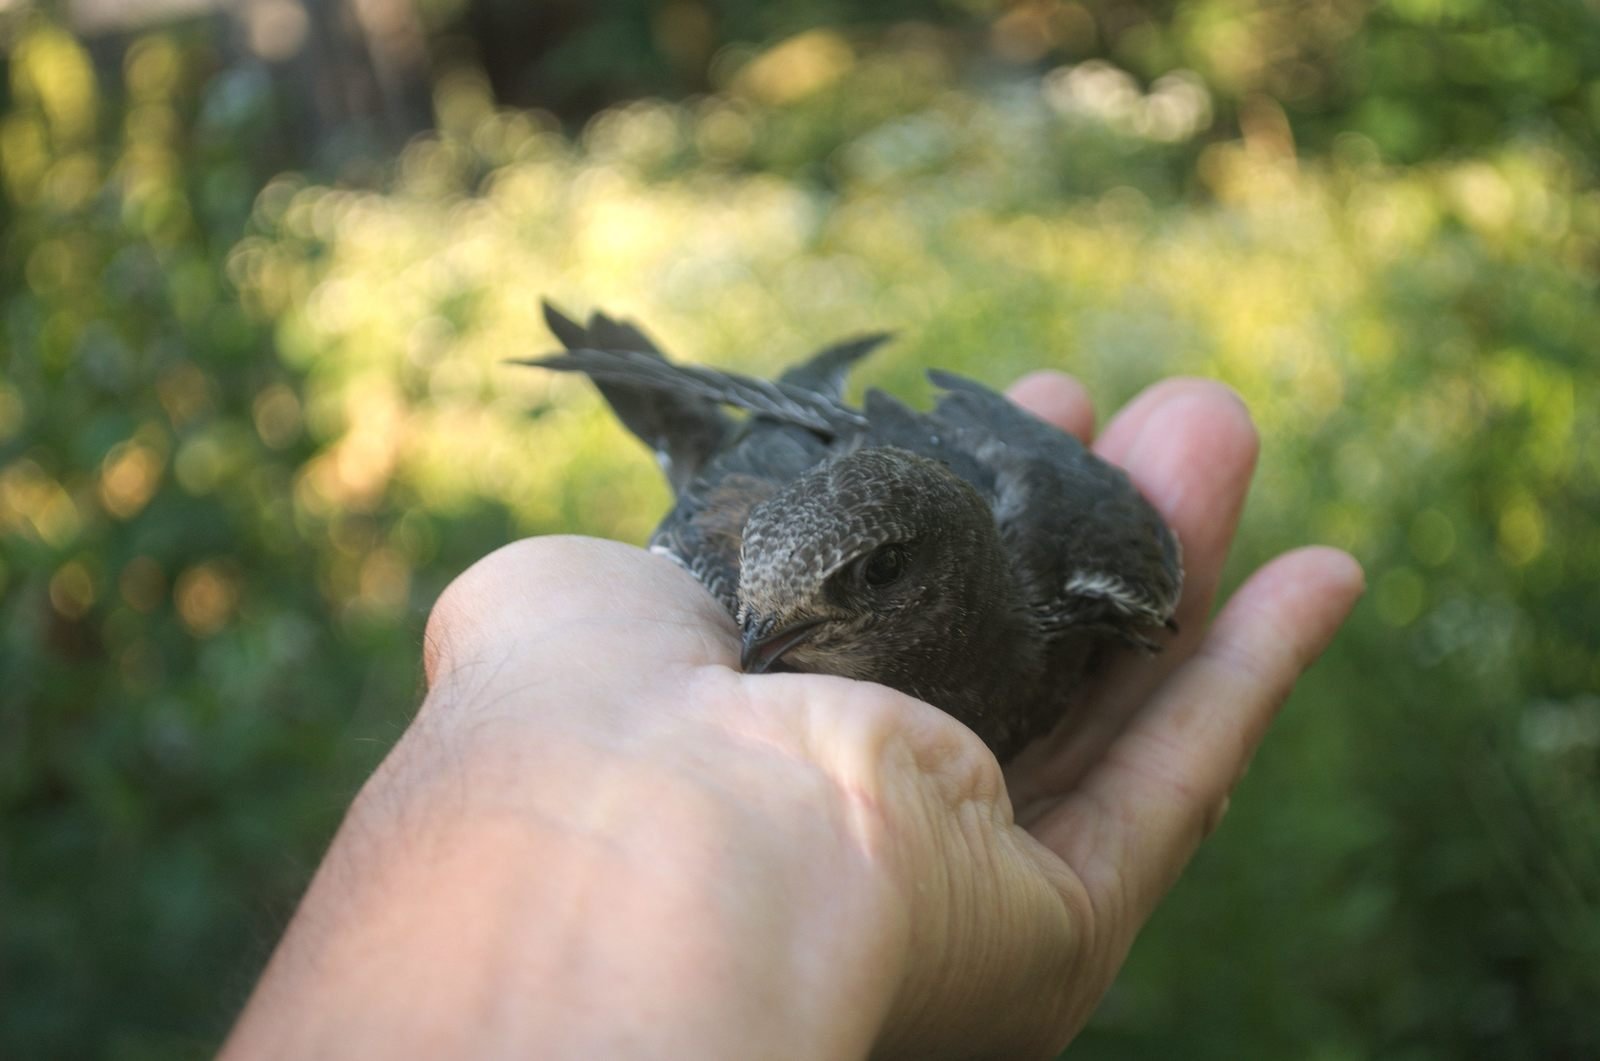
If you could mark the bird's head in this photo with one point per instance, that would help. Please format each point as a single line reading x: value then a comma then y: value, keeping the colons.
x: 864, y: 563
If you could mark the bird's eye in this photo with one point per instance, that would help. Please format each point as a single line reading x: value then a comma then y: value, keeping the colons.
x: 885, y: 566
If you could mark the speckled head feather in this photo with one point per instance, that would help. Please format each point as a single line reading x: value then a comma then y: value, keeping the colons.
x: 840, y: 511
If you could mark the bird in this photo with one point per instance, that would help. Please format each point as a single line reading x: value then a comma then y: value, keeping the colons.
x: 972, y: 556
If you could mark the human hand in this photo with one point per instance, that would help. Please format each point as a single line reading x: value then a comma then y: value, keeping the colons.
x: 599, y: 837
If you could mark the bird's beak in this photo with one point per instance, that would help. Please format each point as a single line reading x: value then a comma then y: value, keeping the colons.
x: 764, y: 643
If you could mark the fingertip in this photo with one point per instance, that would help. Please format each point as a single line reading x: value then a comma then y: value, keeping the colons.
x: 1058, y: 399
x: 1338, y: 579
x: 1341, y: 571
x: 1319, y: 572
x: 1297, y: 601
x: 1227, y: 407
x: 1152, y: 411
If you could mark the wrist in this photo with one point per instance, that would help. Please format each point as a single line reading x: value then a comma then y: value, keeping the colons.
x: 520, y: 868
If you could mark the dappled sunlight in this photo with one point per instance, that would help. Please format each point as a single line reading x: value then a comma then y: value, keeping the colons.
x: 400, y: 307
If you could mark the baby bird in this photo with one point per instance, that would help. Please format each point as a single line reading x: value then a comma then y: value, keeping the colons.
x: 973, y: 557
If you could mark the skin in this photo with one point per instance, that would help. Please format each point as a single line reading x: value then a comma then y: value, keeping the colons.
x: 599, y: 839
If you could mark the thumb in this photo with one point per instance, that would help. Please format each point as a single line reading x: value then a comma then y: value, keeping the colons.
x: 584, y: 599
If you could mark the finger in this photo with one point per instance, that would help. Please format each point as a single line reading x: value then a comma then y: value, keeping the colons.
x: 1143, y: 810
x: 1129, y: 423
x: 1058, y: 399
x: 1190, y: 447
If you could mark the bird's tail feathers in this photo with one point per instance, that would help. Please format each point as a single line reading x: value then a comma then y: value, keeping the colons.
x: 684, y: 430
x: 825, y: 371
x: 677, y: 410
x: 602, y: 332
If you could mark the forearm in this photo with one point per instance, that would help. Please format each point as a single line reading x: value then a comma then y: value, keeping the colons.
x: 489, y: 896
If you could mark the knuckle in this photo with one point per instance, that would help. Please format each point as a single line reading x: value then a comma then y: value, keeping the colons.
x: 474, y: 601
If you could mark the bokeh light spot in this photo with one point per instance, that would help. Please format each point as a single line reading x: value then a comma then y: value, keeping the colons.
x: 1432, y: 537
x: 31, y: 499
x: 152, y: 67
x: 199, y: 464
x: 797, y: 67
x: 276, y: 412
x: 51, y: 68
x: 206, y: 596
x: 1399, y: 596
x: 1522, y: 532
x: 128, y: 478
x: 277, y: 28
x: 72, y: 591
x: 384, y: 583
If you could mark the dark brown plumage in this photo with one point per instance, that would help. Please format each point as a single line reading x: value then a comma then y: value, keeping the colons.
x: 974, y: 556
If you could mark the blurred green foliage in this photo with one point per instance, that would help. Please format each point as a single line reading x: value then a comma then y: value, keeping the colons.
x: 250, y: 424
x: 1421, y: 78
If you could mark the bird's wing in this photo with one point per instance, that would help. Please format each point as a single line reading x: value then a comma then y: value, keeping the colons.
x: 1093, y: 553
x: 892, y: 423
x: 705, y: 530
x: 684, y: 428
x: 669, y: 382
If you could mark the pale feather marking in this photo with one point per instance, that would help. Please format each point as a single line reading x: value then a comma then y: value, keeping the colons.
x: 1107, y: 587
